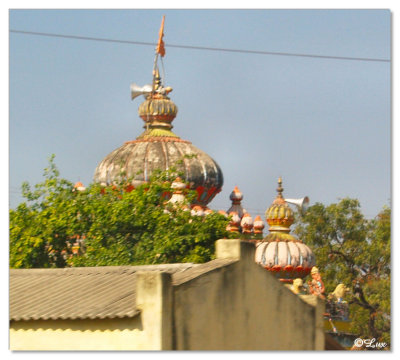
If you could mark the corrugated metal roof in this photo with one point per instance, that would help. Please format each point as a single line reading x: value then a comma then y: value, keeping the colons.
x: 78, y: 293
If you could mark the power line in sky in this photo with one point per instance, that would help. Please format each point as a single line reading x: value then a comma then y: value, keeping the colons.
x: 257, y: 52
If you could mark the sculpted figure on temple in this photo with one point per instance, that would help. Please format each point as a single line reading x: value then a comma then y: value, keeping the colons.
x: 339, y: 293
x: 297, y: 286
x: 316, y: 285
x: 336, y: 306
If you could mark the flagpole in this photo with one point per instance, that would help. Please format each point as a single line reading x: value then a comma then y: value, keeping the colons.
x: 154, y: 71
x: 159, y: 51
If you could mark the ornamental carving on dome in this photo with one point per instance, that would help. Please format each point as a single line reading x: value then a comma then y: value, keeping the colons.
x: 158, y: 108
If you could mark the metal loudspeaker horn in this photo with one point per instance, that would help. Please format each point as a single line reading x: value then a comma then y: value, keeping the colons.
x: 137, y: 90
x: 302, y: 203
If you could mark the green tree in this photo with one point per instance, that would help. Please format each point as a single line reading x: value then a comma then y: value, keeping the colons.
x: 120, y: 226
x: 352, y: 250
x: 41, y: 227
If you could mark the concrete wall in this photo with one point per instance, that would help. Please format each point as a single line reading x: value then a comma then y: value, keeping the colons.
x: 236, y: 305
x: 150, y: 330
x: 243, y: 307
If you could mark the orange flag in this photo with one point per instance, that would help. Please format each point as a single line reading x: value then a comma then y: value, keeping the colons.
x: 160, y: 45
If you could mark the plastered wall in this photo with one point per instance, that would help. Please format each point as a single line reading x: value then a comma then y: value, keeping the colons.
x: 243, y: 307
x: 116, y: 334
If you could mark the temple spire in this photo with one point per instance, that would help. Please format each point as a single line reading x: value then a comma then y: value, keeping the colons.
x: 158, y: 148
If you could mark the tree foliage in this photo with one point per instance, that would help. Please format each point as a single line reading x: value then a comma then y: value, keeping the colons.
x: 120, y: 226
x: 352, y: 250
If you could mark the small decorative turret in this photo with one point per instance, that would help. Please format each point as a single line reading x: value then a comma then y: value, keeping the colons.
x: 79, y: 187
x: 223, y: 212
x: 246, y: 224
x: 234, y: 224
x: 258, y: 227
x: 236, y: 197
x: 178, y: 197
x: 197, y: 210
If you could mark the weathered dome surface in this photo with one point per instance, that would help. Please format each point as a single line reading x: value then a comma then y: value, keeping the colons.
x: 158, y: 148
x: 139, y: 159
x: 288, y: 259
x: 280, y: 252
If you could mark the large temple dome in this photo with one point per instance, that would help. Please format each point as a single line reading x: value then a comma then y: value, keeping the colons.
x: 158, y: 148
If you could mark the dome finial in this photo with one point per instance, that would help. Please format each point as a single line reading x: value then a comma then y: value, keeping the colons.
x: 280, y: 188
x: 156, y: 80
x: 279, y: 198
x: 157, y: 111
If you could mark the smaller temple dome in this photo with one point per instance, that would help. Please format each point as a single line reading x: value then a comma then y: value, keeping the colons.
x: 79, y: 186
x: 246, y: 224
x: 178, y: 196
x: 258, y: 225
x: 234, y: 224
x: 280, y: 252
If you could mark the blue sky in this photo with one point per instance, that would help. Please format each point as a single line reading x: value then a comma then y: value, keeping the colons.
x: 324, y: 125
